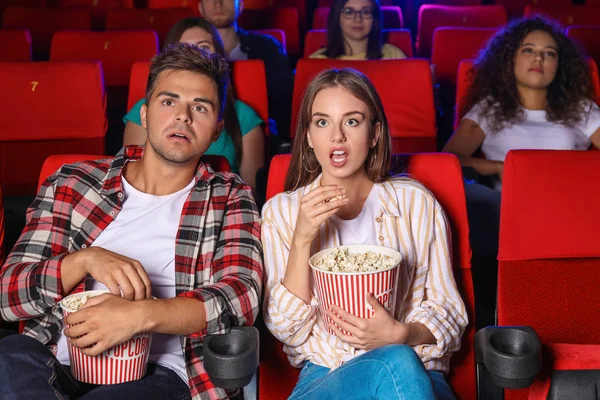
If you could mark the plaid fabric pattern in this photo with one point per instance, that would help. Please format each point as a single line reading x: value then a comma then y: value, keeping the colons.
x: 218, y: 253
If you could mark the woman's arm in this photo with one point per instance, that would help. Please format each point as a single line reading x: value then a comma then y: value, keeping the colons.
x: 464, y: 142
x: 134, y: 134
x: 595, y: 138
x: 253, y: 157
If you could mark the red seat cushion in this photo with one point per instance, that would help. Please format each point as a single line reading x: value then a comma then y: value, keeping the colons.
x: 15, y: 45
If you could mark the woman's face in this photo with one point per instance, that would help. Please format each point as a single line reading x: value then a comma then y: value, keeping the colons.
x: 198, y: 37
x: 536, y: 61
x: 341, y: 133
x: 356, y: 19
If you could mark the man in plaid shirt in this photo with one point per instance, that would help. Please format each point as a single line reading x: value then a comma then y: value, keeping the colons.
x: 153, y: 221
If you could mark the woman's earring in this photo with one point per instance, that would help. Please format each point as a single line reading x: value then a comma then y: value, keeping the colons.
x: 304, y: 165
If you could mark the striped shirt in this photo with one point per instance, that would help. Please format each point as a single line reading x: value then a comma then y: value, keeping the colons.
x: 410, y: 220
x: 218, y: 254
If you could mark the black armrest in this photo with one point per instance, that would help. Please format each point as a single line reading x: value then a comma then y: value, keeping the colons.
x: 232, y: 359
x: 470, y: 174
x: 507, y: 357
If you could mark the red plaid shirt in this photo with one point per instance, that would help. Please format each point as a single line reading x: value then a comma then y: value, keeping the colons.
x: 218, y: 253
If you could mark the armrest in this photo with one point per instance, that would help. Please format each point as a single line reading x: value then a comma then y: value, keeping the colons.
x: 231, y: 359
x: 507, y: 357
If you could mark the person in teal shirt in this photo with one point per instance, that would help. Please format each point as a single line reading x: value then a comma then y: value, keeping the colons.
x: 242, y: 139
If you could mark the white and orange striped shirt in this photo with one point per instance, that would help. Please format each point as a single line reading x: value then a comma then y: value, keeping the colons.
x: 411, y: 221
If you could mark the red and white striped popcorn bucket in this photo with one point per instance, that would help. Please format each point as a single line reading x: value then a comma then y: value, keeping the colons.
x: 122, y: 363
x: 349, y: 290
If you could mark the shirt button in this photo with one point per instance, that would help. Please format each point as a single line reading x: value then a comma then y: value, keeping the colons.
x: 292, y: 330
x: 378, y: 219
x: 112, y: 213
x: 83, y: 246
x: 381, y: 238
x: 120, y: 195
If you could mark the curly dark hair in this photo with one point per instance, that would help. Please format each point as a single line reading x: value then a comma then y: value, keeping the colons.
x: 569, y: 96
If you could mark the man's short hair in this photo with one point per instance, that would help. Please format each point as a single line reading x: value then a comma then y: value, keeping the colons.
x: 187, y: 57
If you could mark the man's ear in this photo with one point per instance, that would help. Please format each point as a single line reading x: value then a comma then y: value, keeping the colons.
x: 240, y: 6
x: 200, y: 8
x: 143, y: 111
x: 220, y: 127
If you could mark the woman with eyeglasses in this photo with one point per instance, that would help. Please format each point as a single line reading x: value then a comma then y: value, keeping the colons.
x: 354, y: 33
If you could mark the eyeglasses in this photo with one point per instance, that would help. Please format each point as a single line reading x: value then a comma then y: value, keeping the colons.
x: 351, y: 13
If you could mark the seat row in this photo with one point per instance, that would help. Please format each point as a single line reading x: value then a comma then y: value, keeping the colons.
x: 65, y: 108
x: 547, y: 272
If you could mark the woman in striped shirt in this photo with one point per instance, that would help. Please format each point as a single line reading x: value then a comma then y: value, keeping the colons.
x: 339, y: 192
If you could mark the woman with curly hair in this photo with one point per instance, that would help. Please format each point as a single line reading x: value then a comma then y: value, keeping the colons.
x: 531, y: 90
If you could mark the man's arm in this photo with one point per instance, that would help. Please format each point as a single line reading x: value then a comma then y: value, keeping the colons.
x: 30, y: 279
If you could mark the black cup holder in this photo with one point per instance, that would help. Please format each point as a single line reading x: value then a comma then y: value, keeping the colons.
x: 511, y: 355
x: 231, y: 359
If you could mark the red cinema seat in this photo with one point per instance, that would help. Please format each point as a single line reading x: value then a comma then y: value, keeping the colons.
x: 276, y: 33
x: 440, y: 173
x: 515, y: 8
x: 135, y: 19
x: 248, y: 77
x: 401, y: 38
x: 42, y: 23
x: 2, y: 249
x: 451, y: 45
x: 406, y: 90
x: 588, y: 37
x: 392, y: 17
x: 54, y: 107
x: 567, y: 14
x: 329, y: 3
x: 192, y: 5
x: 286, y: 19
x: 98, y: 9
x: 465, y: 79
x: 549, y: 260
x: 432, y: 17
x: 116, y: 50
x: 15, y: 45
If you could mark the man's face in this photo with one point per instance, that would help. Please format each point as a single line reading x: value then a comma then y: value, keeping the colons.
x: 221, y: 13
x: 182, y: 117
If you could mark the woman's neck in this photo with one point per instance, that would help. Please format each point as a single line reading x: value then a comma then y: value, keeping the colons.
x: 357, y: 191
x: 533, y: 99
x: 354, y: 47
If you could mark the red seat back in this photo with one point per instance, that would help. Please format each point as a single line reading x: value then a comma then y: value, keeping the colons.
x: 276, y: 33
x: 446, y: 54
x: 441, y: 173
x: 432, y: 17
x: 515, y: 8
x: 567, y: 14
x: 42, y: 23
x: 248, y: 77
x: 588, y: 37
x: 401, y: 38
x: 64, y: 113
x: 410, y: 111
x: 329, y: 3
x: 392, y: 17
x: 2, y: 250
x: 549, y: 256
x: 116, y: 50
x: 191, y: 5
x: 286, y: 19
x: 15, y: 45
x: 465, y: 79
x: 100, y: 4
x: 135, y: 19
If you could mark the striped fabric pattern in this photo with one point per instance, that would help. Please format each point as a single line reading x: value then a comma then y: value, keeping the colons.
x: 218, y: 254
x: 411, y: 221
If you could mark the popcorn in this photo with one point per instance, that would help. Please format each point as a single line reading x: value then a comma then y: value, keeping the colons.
x: 75, y: 302
x: 341, y: 260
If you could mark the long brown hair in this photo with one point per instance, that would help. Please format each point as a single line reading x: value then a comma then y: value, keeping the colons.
x: 304, y: 166
x: 232, y: 123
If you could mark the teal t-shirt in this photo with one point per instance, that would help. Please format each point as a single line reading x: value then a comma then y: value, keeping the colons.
x: 247, y: 117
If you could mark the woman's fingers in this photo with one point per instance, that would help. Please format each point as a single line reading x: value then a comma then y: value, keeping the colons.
x: 326, y: 207
x: 320, y: 195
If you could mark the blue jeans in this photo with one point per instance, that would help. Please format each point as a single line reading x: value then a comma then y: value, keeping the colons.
x: 28, y: 370
x: 389, y: 372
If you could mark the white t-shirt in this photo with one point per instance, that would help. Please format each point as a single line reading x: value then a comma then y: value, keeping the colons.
x: 534, y: 132
x: 361, y: 229
x: 236, y: 54
x: 145, y: 230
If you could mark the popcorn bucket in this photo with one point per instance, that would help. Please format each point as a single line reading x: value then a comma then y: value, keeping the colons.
x: 122, y: 363
x: 349, y: 290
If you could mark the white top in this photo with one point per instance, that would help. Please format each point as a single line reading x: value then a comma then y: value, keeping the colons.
x: 405, y: 217
x: 534, y: 132
x: 359, y: 230
x: 145, y: 230
x: 236, y: 54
